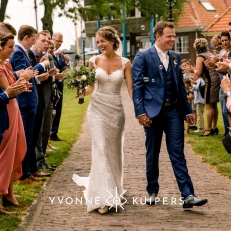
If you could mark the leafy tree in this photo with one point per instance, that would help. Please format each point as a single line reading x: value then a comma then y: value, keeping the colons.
x: 100, y: 9
x: 105, y: 9
x: 3, y: 5
x: 64, y: 8
x: 152, y: 7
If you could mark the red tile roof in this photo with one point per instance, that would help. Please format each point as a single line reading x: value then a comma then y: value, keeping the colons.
x: 221, y: 23
x: 196, y: 15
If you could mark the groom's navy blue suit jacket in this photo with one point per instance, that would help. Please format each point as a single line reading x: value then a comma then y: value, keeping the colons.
x: 148, y: 83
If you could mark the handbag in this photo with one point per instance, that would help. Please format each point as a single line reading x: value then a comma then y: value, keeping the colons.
x: 226, y: 140
x: 56, y: 94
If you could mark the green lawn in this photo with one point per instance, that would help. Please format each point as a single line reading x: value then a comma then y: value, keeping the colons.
x: 211, y: 148
x: 70, y: 127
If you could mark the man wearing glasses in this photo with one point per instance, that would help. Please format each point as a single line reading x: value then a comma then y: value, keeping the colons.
x: 62, y: 61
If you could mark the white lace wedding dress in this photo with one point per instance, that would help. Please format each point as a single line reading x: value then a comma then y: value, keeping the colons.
x: 106, y: 122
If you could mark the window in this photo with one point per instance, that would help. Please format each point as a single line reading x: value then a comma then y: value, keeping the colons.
x: 145, y: 44
x: 207, y: 6
x: 182, y: 44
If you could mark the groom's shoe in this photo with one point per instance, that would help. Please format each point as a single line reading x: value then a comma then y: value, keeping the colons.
x: 191, y: 201
x: 150, y: 200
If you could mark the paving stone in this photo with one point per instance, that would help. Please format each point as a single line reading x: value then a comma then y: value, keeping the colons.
x: 213, y: 216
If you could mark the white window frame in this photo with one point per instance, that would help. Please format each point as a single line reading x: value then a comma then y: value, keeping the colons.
x: 182, y: 44
x: 207, y: 6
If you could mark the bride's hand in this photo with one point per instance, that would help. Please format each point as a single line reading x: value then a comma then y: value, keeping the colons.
x: 83, y: 92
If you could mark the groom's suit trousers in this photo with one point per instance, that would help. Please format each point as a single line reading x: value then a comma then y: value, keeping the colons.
x: 169, y: 121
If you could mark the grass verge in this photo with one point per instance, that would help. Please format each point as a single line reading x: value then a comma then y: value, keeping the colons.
x: 69, y: 130
x: 211, y: 148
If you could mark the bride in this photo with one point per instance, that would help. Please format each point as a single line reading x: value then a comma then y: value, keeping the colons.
x: 106, y: 122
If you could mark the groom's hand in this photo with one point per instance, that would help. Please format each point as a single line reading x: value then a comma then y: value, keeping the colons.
x: 144, y: 121
x: 190, y: 119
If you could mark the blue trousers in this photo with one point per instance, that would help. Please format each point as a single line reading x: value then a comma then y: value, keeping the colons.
x: 28, y: 118
x: 224, y: 109
x: 171, y: 122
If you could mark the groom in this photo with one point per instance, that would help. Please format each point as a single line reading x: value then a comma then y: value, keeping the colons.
x: 161, y: 105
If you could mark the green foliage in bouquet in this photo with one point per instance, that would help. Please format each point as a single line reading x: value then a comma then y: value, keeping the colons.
x: 79, y: 78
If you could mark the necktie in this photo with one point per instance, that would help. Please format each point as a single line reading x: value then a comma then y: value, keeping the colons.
x: 38, y: 58
x: 165, y: 60
x: 26, y: 51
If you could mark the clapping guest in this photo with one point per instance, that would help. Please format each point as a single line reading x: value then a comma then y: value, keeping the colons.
x: 213, y: 63
x: 216, y: 43
x: 44, y: 94
x: 226, y: 44
x: 212, y: 85
x: 27, y: 102
x: 188, y: 71
x: 13, y: 145
x: 62, y: 61
x: 45, y: 101
x: 58, y: 76
x: 226, y: 86
x: 5, y: 95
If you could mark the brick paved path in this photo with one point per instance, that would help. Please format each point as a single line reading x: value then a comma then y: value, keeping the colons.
x: 216, y: 215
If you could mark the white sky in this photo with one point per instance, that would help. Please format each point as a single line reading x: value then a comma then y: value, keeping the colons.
x: 23, y: 13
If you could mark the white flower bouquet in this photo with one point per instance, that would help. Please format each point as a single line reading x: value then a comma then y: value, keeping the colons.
x: 79, y: 78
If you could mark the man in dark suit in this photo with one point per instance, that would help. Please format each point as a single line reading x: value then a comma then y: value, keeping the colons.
x: 27, y: 101
x: 161, y: 105
x: 45, y: 105
x: 44, y: 89
x: 62, y: 61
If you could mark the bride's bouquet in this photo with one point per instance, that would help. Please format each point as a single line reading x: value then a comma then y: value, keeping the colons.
x: 79, y: 78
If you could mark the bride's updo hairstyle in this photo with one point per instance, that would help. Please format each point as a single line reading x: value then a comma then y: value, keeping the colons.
x: 110, y: 34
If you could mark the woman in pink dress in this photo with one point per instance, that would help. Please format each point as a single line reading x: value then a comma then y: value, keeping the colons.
x: 13, y: 145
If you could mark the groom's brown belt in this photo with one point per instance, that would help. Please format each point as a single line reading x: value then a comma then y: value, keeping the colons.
x: 167, y: 103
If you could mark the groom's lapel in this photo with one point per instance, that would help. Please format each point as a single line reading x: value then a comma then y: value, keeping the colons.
x: 156, y: 59
x: 173, y: 66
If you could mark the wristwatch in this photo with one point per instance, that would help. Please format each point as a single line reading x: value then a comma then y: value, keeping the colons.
x: 228, y: 93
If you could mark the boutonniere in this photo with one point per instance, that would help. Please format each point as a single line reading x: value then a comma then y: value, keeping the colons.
x: 174, y: 60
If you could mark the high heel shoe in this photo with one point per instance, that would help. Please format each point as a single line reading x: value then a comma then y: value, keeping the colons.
x: 215, y: 131
x: 103, y: 210
x: 6, y: 202
x: 209, y: 134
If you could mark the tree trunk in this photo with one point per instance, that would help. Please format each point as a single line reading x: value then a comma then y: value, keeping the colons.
x: 47, y: 18
x: 3, y: 9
